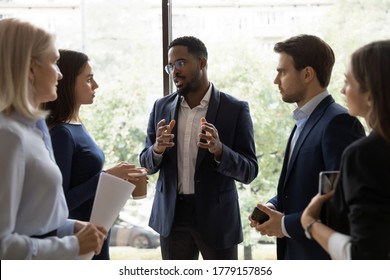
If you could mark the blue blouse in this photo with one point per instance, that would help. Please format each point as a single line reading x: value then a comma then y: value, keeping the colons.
x: 80, y: 161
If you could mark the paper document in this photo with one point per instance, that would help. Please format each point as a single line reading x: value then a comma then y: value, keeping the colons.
x: 111, y: 195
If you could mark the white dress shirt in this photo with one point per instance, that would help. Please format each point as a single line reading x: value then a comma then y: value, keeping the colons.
x: 189, y: 127
x: 187, y: 137
x: 32, y: 201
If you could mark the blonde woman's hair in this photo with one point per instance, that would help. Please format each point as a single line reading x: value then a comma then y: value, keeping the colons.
x: 20, y: 44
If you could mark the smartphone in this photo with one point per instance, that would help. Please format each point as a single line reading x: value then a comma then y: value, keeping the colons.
x: 201, y: 140
x: 328, y: 181
x: 259, y: 216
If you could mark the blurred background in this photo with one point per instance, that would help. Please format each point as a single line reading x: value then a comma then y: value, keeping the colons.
x: 123, y: 39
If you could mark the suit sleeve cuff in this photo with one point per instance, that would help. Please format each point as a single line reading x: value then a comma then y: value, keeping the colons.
x: 157, y: 158
x: 284, y: 228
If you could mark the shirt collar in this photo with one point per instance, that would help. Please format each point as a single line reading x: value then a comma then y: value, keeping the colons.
x: 203, y: 103
x: 308, y: 108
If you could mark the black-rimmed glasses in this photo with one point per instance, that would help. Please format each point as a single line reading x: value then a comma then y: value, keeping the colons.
x: 177, y: 65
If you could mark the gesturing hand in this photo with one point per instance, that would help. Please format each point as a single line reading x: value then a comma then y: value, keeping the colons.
x: 164, y: 136
x: 211, y: 139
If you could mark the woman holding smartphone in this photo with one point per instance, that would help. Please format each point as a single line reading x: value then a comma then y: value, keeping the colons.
x: 362, y: 197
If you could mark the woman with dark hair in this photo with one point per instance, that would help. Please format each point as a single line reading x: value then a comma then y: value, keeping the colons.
x: 360, y: 227
x: 78, y: 156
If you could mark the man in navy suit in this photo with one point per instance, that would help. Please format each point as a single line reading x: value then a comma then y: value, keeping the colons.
x: 201, y: 142
x: 323, y: 130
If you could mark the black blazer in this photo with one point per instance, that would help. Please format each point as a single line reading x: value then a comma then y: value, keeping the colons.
x: 216, y: 198
x: 362, y: 198
x: 327, y: 132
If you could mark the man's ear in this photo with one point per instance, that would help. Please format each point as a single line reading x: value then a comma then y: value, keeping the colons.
x: 203, y: 62
x: 308, y: 74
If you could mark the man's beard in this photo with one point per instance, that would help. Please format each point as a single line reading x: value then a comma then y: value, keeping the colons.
x: 192, y: 86
x: 184, y: 91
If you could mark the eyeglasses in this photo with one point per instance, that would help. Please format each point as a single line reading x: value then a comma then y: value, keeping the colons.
x: 177, y: 65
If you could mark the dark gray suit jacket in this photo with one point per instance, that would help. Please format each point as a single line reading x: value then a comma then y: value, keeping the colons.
x: 216, y: 198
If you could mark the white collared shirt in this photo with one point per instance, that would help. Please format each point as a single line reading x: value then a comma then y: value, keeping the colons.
x: 189, y: 127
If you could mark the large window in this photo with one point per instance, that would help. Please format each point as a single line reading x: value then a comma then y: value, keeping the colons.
x: 124, y: 40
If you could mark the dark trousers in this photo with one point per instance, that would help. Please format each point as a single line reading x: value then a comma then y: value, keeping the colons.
x: 104, y: 253
x: 185, y: 242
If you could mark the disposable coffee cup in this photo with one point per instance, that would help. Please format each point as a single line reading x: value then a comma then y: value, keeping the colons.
x: 140, y: 190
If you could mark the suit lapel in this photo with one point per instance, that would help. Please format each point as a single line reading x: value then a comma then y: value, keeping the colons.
x: 174, y: 111
x: 211, y: 116
x: 283, y: 173
x: 310, y: 123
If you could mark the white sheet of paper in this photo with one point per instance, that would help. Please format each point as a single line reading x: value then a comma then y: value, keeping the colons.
x: 111, y: 195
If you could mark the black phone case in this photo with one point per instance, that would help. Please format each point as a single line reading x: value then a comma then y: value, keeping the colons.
x: 259, y: 216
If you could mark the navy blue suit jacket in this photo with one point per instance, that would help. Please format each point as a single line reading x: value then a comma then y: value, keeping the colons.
x: 216, y: 198
x: 327, y: 132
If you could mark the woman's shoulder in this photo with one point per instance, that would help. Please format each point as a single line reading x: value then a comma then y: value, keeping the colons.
x: 372, y: 146
x: 66, y: 130
x: 11, y: 126
x: 7, y: 123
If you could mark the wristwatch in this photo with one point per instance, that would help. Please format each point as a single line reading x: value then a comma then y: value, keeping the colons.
x: 308, y: 228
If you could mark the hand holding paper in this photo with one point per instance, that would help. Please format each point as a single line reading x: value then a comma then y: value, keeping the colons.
x: 111, y: 195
